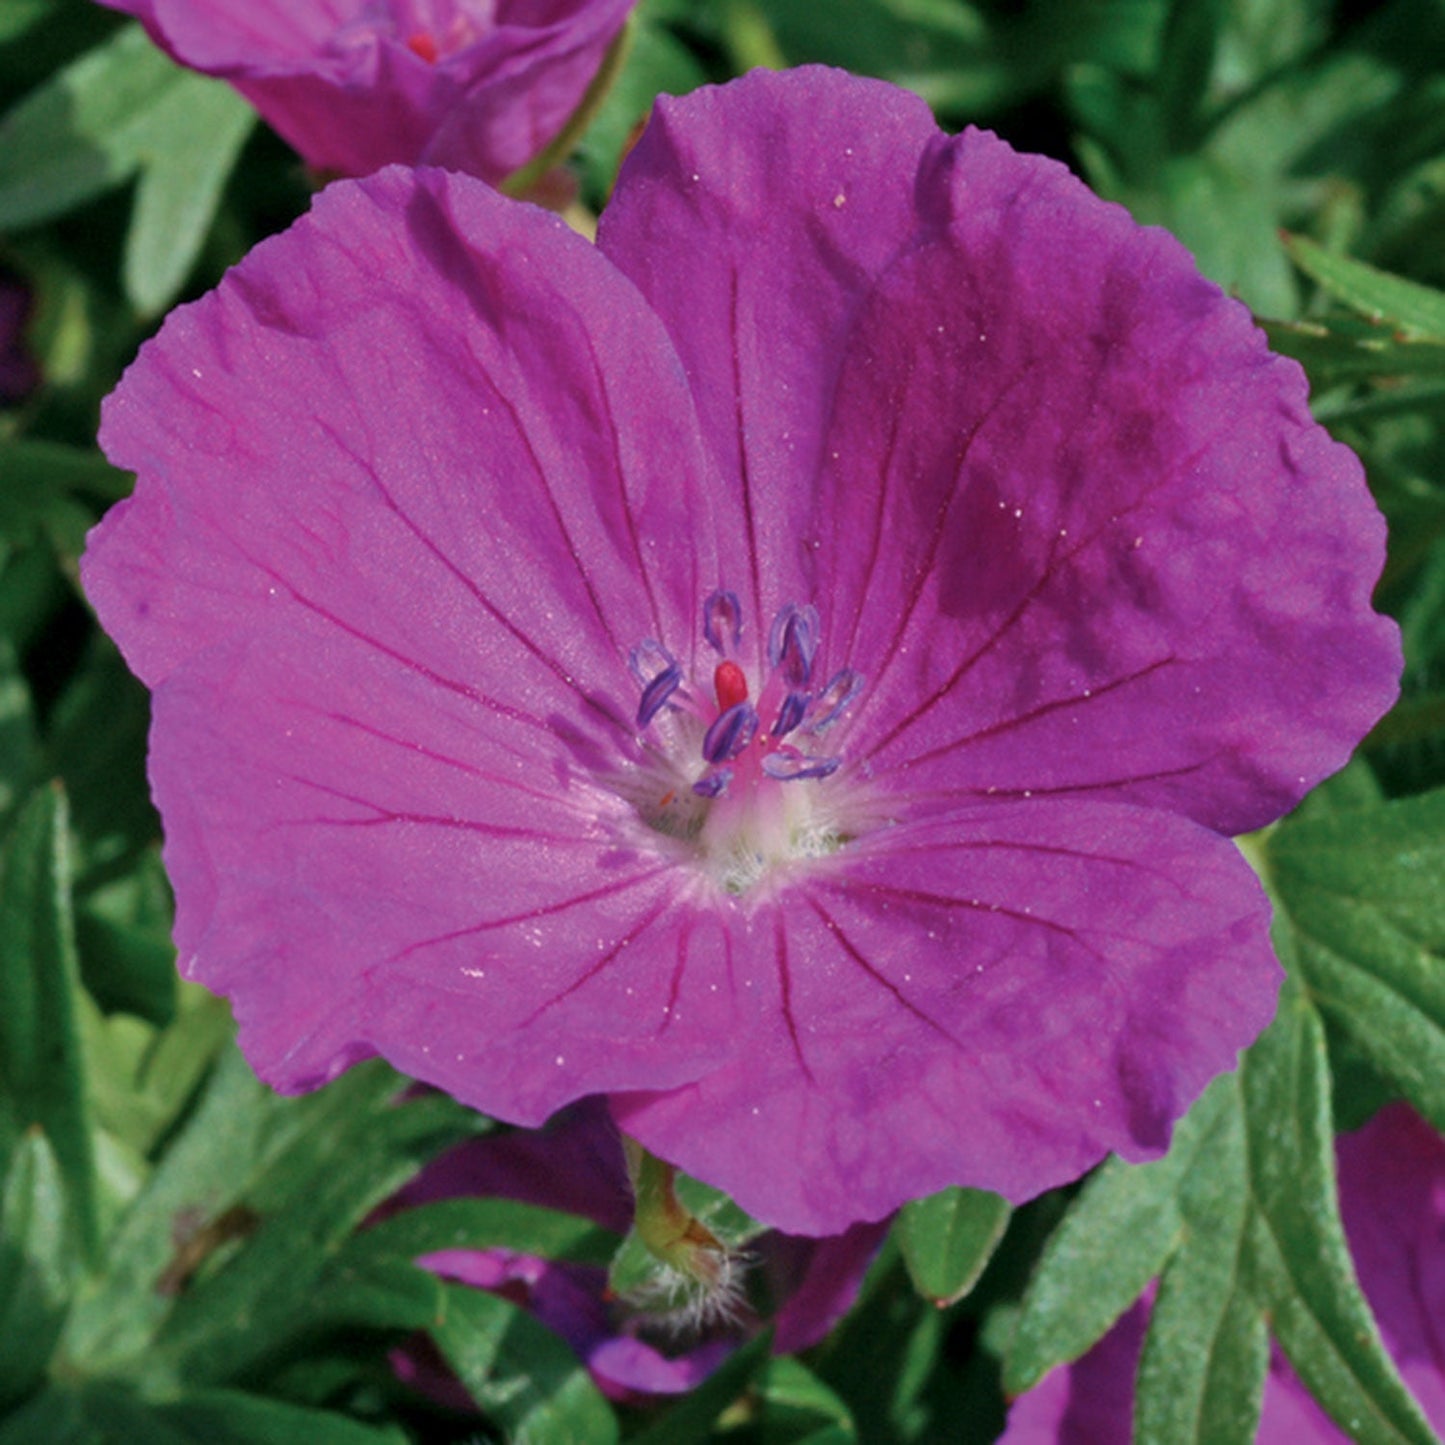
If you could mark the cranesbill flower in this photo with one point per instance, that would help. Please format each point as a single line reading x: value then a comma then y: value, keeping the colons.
x: 793, y: 668
x: 802, y: 1286
x: 1392, y: 1198
x: 481, y: 86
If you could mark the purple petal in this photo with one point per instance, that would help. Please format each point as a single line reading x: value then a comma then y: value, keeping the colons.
x: 827, y: 1275
x: 1132, y: 562
x: 575, y: 1165
x: 996, y: 999
x: 1051, y: 494
x: 387, y: 689
x: 728, y: 216
x: 339, y: 81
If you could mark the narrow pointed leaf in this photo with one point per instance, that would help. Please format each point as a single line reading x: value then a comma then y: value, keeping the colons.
x: 1417, y: 309
x: 1300, y: 1266
x: 1201, y: 1374
x: 18, y: 740
x: 42, y: 1078
x: 40, y: 1260
x: 1115, y: 1238
x: 525, y: 1377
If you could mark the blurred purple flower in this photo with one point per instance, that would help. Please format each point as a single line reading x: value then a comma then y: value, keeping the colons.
x: 576, y: 1166
x: 792, y: 668
x: 1392, y: 1197
x: 19, y: 374
x: 480, y: 86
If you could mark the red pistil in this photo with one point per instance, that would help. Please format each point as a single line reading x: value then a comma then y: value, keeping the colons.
x: 730, y: 684
x: 423, y: 45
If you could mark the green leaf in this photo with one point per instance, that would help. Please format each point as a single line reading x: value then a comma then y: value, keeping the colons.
x: 1202, y: 1370
x: 1186, y: 62
x: 1299, y: 1262
x: 1116, y: 1237
x: 84, y: 131
x: 19, y: 745
x: 1418, y: 311
x: 32, y: 506
x: 105, y: 1413
x: 1361, y: 900
x: 520, y: 1373
x: 18, y: 16
x: 97, y: 743
x: 40, y: 1260
x: 46, y: 467
x: 794, y: 1404
x: 357, y: 1148
x: 948, y: 1238
x: 42, y: 1079
x: 198, y: 129
x: 488, y: 1224
x: 143, y: 1077
x: 126, y: 955
x: 691, y: 1420
x: 1344, y: 351
x: 229, y: 1417
x: 220, y: 1256
x: 1258, y: 1238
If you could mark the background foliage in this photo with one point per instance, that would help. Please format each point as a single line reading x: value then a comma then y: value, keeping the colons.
x: 179, y: 1254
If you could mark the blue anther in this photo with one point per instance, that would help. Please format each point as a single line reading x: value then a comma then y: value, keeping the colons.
x: 722, y: 622
x: 829, y: 704
x: 730, y: 733
x: 649, y: 660
x: 713, y: 784
x: 788, y: 765
x: 794, y: 707
x: 656, y: 694
x: 792, y: 642
x: 658, y: 675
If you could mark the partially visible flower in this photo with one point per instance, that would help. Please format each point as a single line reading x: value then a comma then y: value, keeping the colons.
x: 804, y: 1285
x: 481, y: 86
x: 1392, y: 1197
x: 19, y: 373
x: 792, y: 668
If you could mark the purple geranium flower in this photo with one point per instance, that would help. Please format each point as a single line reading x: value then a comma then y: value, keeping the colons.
x: 476, y: 85
x: 792, y: 668
x: 1392, y: 1197
x: 577, y: 1167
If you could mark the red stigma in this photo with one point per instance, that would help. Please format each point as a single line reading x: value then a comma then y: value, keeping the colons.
x: 423, y: 45
x: 730, y: 684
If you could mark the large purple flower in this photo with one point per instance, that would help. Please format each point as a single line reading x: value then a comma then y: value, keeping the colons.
x: 577, y: 1167
x: 792, y: 668
x: 1392, y: 1197
x: 476, y: 85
